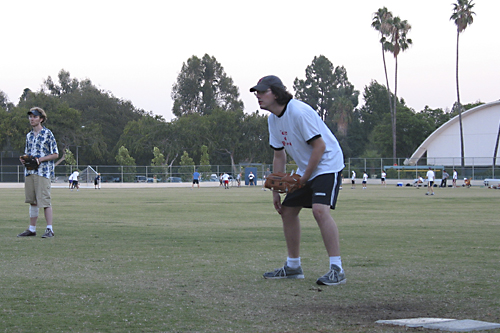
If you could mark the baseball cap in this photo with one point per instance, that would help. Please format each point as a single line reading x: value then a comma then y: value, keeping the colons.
x: 35, y: 112
x: 267, y: 82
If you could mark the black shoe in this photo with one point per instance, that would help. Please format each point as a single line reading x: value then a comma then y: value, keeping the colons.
x: 27, y: 233
x: 48, y: 233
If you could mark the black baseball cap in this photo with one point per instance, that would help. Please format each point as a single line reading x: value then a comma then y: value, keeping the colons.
x: 267, y: 82
x: 35, y: 112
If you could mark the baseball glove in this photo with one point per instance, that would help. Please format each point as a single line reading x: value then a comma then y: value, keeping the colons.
x: 30, y: 162
x: 283, y: 182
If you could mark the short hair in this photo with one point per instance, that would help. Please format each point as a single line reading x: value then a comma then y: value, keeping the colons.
x: 282, y: 96
x: 43, y: 115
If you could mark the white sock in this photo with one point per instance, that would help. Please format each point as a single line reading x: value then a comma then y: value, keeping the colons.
x: 32, y: 228
x: 293, y: 262
x: 336, y: 261
x: 50, y: 227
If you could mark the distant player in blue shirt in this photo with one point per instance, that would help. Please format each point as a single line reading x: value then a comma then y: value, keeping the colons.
x: 196, y: 179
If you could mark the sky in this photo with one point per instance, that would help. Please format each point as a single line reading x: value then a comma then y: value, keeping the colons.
x: 136, y: 49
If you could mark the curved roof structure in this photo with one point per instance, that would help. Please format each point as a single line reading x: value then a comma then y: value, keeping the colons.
x: 480, y: 126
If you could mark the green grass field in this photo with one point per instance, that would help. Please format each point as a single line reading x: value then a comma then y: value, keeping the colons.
x: 181, y: 260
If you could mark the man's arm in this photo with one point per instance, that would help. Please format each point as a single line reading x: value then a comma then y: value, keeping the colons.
x: 48, y: 158
x: 319, y: 147
x: 279, y: 162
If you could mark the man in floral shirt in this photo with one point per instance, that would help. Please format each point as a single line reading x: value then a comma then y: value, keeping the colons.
x: 41, y: 144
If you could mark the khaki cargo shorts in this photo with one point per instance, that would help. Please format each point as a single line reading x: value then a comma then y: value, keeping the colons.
x: 37, y: 191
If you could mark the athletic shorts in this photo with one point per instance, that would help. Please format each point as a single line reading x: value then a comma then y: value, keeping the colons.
x: 195, y: 181
x: 353, y: 181
x: 37, y: 191
x: 324, y: 189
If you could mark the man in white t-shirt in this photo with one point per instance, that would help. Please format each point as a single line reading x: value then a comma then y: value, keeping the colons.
x: 430, y: 182
x: 365, y: 179
x: 353, y: 179
x: 295, y: 128
x: 455, y: 177
x: 225, y: 180
x: 384, y: 176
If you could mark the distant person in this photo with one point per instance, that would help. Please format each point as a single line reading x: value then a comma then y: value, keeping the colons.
x: 266, y: 174
x: 238, y: 179
x: 444, y: 179
x: 97, y: 181
x: 251, y: 178
x: 70, y: 181
x: 220, y: 180
x: 225, y: 180
x: 430, y: 182
x: 365, y: 180
x: 75, y: 184
x: 41, y: 144
x: 455, y: 177
x: 382, y: 179
x: 196, y: 179
x: 353, y: 180
x: 417, y: 182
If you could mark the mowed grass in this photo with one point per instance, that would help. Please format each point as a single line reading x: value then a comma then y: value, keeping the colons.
x: 181, y: 260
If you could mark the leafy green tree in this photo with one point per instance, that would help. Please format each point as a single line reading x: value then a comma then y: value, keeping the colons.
x: 254, y: 139
x: 435, y: 117
x: 187, y: 166
x: 4, y: 102
x: 412, y: 131
x: 123, y: 158
x: 398, y: 43
x: 323, y: 85
x: 203, y: 86
x: 204, y: 168
x: 69, y: 157
x: 463, y: 17
x: 158, y: 163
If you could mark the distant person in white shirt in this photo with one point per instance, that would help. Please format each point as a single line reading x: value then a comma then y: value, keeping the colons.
x: 430, y: 182
x: 365, y: 179
x: 384, y: 175
x: 353, y: 179
x: 455, y: 177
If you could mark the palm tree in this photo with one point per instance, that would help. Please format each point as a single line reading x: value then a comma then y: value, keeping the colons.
x: 398, y: 43
x: 381, y: 23
x: 462, y: 16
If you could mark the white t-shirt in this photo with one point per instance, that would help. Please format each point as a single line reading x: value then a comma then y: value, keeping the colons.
x: 74, y: 175
x: 365, y: 177
x: 455, y: 175
x: 225, y: 176
x: 299, y: 124
x: 383, y: 174
x: 430, y: 175
x: 353, y: 175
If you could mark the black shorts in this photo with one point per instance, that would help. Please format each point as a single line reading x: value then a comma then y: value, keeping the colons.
x: 196, y: 181
x: 324, y: 189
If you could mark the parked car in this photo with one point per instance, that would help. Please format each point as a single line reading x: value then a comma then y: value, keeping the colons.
x: 141, y: 179
x: 214, y: 178
x: 174, y: 179
x: 110, y: 179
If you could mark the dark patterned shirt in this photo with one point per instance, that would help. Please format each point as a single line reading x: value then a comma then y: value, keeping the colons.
x: 41, y: 145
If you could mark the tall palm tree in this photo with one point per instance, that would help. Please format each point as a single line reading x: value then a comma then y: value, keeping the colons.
x: 398, y: 43
x: 462, y: 16
x: 381, y: 23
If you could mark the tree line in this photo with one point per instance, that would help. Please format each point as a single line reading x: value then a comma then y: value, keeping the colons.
x: 210, y: 126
